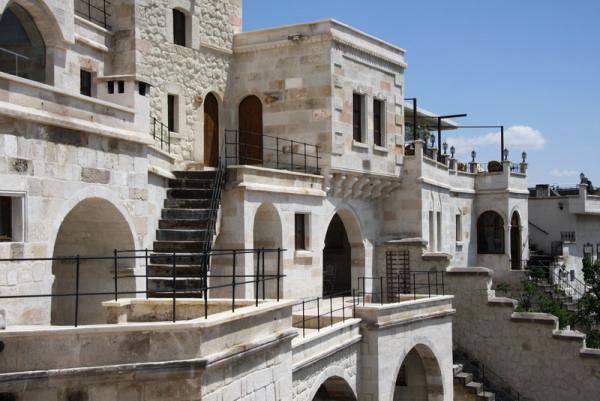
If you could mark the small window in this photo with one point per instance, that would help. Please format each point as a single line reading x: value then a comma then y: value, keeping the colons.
x: 459, y: 233
x: 121, y: 85
x: 378, y: 122
x: 357, y: 117
x: 567, y: 236
x: 111, y: 87
x: 143, y: 88
x: 85, y: 82
x: 179, y: 28
x: 11, y: 219
x: 431, y: 231
x: 5, y: 219
x: 490, y: 233
x: 439, y: 231
x: 172, y: 113
x: 300, y: 231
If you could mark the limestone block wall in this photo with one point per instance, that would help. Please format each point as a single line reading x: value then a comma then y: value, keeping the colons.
x: 188, y: 72
x: 51, y: 171
x: 491, y: 332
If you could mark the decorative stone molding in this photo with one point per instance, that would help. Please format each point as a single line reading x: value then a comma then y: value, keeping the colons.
x: 357, y: 185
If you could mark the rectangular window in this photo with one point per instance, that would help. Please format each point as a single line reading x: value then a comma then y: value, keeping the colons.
x: 567, y: 236
x: 111, y: 87
x: 439, y: 232
x: 172, y: 113
x: 431, y: 232
x: 178, y: 28
x: 378, y: 122
x: 357, y: 117
x: 300, y: 231
x: 5, y: 219
x: 143, y: 88
x: 85, y: 83
x: 121, y: 85
x: 459, y: 233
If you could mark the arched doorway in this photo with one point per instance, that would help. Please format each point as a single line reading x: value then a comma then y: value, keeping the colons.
x: 250, y: 131
x: 337, y: 260
x: 211, y: 131
x: 267, y: 233
x: 334, y: 389
x: 93, y: 228
x: 22, y: 47
x: 490, y: 233
x: 515, y: 242
x: 419, y: 377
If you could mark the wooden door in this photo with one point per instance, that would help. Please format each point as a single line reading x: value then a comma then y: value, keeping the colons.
x: 250, y: 131
x: 211, y: 131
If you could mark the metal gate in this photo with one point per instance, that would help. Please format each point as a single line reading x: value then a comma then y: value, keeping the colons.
x: 398, y: 274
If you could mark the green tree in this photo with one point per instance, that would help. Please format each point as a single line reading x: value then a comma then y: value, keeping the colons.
x: 588, y: 314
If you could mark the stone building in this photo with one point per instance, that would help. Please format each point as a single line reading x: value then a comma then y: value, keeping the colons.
x: 565, y: 228
x: 328, y: 239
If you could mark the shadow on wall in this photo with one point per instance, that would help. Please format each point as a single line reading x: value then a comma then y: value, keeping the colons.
x: 96, y: 228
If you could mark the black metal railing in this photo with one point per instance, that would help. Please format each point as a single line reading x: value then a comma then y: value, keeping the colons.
x: 215, y: 202
x: 161, y: 134
x: 225, y: 282
x: 249, y: 148
x: 428, y: 153
x: 322, y: 312
x: 97, y: 11
x: 422, y: 284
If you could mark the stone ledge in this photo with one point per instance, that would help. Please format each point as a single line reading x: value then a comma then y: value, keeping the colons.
x: 534, y: 317
x: 476, y: 271
x: 568, y: 335
x: 502, y: 301
x: 589, y: 353
x: 436, y: 256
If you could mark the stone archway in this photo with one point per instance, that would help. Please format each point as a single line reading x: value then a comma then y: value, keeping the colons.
x: 334, y: 389
x: 515, y: 242
x: 267, y: 233
x: 92, y: 228
x: 419, y: 377
x: 343, y: 254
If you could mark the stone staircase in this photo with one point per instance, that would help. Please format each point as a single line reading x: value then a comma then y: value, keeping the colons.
x: 182, y: 229
x: 466, y: 389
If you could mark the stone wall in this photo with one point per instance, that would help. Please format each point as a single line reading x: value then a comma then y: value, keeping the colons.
x: 525, y: 349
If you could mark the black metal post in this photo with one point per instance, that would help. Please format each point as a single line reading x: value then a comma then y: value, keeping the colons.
x: 303, y: 321
x: 502, y: 143
x: 414, y: 286
x: 277, y: 151
x: 278, y: 272
x: 263, y: 273
x: 233, y: 269
x: 439, y: 129
x: 436, y: 283
x: 353, y: 302
x: 77, y: 291
x: 331, y: 310
x: 174, y: 293
x: 292, y: 155
x: 318, y: 315
x: 343, y: 309
x: 146, y: 273
x: 381, y: 288
x: 364, y: 290
x: 305, y: 156
x: 115, y: 274
x: 256, y: 277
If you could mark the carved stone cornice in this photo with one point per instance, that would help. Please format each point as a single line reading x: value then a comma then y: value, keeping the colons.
x: 357, y: 185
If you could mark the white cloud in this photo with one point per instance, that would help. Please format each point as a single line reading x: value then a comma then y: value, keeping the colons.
x: 563, y: 173
x: 517, y: 138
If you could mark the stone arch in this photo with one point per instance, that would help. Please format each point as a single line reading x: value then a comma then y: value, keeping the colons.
x: 354, y: 258
x: 91, y: 227
x: 337, y: 381
x: 490, y: 233
x: 267, y: 232
x: 418, y: 377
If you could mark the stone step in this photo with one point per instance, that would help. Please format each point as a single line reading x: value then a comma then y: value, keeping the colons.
x: 457, y: 368
x: 187, y: 203
x: 184, y: 224
x: 474, y: 387
x: 185, y: 214
x: 181, y: 259
x: 178, y: 246
x: 166, y: 270
x: 191, y: 183
x: 463, y: 378
x: 196, y: 194
x: 180, y: 235
x: 161, y: 284
x: 486, y: 396
x: 195, y: 175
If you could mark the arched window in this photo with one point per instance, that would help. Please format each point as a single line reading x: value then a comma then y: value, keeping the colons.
x: 179, y: 28
x: 22, y: 48
x: 490, y: 233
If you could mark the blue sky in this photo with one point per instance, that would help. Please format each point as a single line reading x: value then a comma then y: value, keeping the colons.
x: 533, y: 65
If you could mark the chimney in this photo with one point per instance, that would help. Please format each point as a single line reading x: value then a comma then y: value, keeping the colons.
x: 542, y: 191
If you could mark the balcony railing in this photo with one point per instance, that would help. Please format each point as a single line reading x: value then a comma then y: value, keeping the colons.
x: 96, y: 11
x: 249, y: 148
x: 11, y: 62
x: 161, y: 134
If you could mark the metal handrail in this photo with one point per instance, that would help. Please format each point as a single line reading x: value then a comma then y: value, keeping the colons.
x: 257, y: 279
x: 89, y: 8
x: 278, y: 153
x: 163, y: 136
x: 421, y: 283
